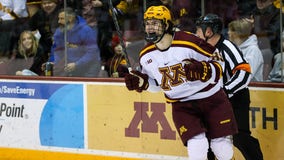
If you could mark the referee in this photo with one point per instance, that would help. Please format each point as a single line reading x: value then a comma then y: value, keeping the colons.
x: 236, y: 77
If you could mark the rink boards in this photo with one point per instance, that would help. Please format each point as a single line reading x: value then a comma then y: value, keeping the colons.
x: 47, y: 120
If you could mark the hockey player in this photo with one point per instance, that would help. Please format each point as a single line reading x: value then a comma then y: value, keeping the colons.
x: 237, y: 75
x: 181, y: 65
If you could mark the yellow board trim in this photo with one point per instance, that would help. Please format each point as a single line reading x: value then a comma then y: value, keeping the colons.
x: 22, y: 154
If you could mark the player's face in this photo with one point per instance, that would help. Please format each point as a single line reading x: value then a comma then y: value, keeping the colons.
x: 153, y: 26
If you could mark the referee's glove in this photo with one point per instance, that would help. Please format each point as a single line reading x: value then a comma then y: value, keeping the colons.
x: 136, y: 81
x: 196, y: 70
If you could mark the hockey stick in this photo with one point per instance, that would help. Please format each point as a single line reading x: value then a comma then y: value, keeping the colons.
x: 115, y: 21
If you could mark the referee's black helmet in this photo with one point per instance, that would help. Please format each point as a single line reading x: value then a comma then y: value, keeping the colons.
x: 210, y: 20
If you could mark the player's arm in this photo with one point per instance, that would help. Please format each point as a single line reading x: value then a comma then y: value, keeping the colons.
x: 139, y: 81
x: 240, y: 69
x: 204, y: 71
x: 136, y: 81
x: 240, y: 79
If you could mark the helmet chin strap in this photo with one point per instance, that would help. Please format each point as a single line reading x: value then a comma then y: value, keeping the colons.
x: 153, y: 37
x: 208, y: 37
x: 204, y: 28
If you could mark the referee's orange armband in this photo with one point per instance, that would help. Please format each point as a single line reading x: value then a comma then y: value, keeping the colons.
x: 243, y: 66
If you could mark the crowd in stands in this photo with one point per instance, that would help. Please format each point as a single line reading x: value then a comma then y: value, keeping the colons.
x: 53, y: 38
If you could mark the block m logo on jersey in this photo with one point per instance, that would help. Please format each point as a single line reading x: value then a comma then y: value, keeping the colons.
x: 150, y: 123
x: 172, y: 76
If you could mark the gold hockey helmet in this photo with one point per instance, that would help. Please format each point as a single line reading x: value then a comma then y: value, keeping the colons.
x: 158, y: 12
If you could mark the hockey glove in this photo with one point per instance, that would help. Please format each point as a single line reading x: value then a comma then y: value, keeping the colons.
x: 195, y: 70
x: 136, y: 81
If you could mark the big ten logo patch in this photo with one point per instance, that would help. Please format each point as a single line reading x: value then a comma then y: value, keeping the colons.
x: 149, y: 122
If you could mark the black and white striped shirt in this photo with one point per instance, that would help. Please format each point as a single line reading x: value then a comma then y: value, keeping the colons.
x: 237, y: 72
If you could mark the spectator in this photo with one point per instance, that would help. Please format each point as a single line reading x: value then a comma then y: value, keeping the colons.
x: 228, y: 10
x: 33, y: 6
x: 185, y: 13
x: 240, y: 33
x: 13, y: 15
x: 81, y: 57
x: 236, y: 77
x: 30, y: 53
x: 181, y: 65
x: 133, y: 20
x: 266, y: 18
x: 45, y: 21
x: 245, y: 7
x: 105, y: 27
x: 77, y: 5
x: 89, y: 13
x: 277, y: 72
x: 117, y: 65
